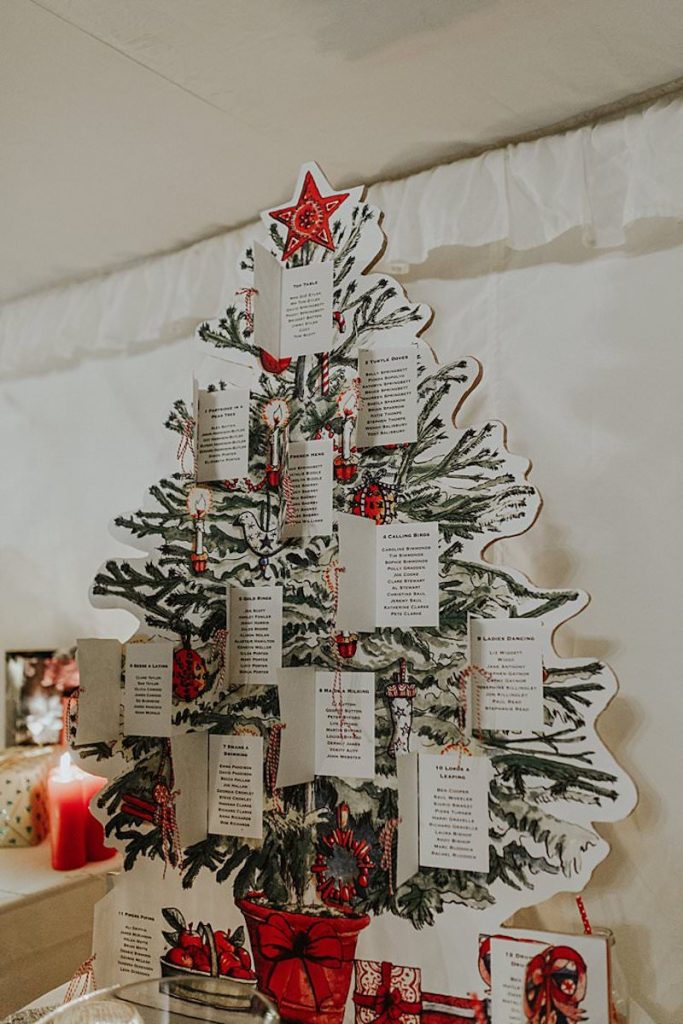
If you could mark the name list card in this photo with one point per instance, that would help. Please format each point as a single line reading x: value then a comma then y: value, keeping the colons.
x: 293, y: 306
x: 147, y: 693
x: 236, y: 786
x: 509, y: 961
x: 403, y: 590
x: 345, y: 724
x: 255, y: 617
x: 509, y: 688
x: 296, y: 695
x: 578, y: 957
x: 222, y: 434
x: 309, y: 510
x: 408, y: 575
x: 388, y: 407
x: 454, y: 812
x: 99, y: 694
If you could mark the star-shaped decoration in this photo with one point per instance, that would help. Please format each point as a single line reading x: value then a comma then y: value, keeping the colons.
x: 308, y: 220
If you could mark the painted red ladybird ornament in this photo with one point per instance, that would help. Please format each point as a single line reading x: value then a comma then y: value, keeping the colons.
x: 189, y: 673
x: 374, y: 500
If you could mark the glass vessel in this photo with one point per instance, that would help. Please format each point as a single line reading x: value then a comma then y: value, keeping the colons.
x: 180, y: 999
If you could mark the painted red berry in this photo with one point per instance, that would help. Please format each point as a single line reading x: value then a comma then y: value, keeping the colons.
x: 189, y: 674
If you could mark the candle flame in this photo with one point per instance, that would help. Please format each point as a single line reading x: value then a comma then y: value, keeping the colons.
x: 198, y: 502
x: 276, y: 413
x: 348, y: 402
x: 67, y: 769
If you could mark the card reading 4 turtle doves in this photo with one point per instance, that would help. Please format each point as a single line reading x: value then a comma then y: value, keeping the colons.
x: 387, y: 413
x: 292, y: 306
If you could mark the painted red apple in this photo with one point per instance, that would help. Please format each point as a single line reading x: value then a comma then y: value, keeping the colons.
x: 180, y: 957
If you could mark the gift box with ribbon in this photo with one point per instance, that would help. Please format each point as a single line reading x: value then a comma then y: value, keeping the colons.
x: 386, y: 993
x: 23, y: 803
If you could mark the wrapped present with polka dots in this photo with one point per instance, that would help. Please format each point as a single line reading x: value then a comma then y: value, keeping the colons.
x: 23, y: 794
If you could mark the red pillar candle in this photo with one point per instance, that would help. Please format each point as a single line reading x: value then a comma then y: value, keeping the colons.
x: 94, y: 831
x: 67, y: 816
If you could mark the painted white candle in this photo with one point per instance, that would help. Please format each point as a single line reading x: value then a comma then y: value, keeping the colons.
x: 199, y: 536
x: 275, y: 449
x: 346, y: 436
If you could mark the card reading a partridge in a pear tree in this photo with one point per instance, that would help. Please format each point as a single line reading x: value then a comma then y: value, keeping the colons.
x: 293, y: 306
x: 387, y: 413
x: 222, y: 434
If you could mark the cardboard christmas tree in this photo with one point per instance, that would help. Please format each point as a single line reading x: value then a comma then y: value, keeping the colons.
x: 342, y: 727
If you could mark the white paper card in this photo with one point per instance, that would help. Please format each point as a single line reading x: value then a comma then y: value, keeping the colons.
x: 127, y: 935
x: 190, y: 752
x: 296, y: 695
x: 222, y: 434
x: 509, y: 687
x: 148, y: 689
x: 408, y: 574
x: 407, y: 852
x: 293, y: 306
x: 509, y: 962
x: 236, y: 786
x: 357, y: 608
x: 388, y: 408
x: 345, y: 724
x: 580, y: 960
x: 454, y: 811
x: 403, y: 590
x: 309, y: 510
x: 99, y: 694
x: 255, y: 622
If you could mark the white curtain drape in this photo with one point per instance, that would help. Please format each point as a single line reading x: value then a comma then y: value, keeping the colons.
x: 600, y: 180
x: 558, y: 264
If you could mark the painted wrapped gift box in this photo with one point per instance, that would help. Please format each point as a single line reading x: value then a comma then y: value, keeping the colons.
x: 387, y: 992
x: 23, y: 795
x: 390, y: 994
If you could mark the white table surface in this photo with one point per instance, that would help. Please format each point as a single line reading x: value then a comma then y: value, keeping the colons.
x: 45, y: 921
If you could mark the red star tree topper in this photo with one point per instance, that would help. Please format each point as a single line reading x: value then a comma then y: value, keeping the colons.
x: 308, y: 218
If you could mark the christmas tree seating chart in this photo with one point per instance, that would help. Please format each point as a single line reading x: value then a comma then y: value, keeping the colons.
x: 340, y: 739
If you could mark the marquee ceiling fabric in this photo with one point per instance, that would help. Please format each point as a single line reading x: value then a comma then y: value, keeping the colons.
x: 139, y: 126
x: 600, y: 181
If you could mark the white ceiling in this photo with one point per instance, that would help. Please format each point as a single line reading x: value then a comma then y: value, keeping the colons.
x: 129, y: 127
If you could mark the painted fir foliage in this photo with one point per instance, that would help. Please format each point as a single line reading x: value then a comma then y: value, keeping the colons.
x: 547, y: 786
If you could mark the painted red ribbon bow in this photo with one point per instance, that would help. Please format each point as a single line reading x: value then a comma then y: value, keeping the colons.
x: 387, y: 1002
x: 293, y: 947
x: 554, y: 986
